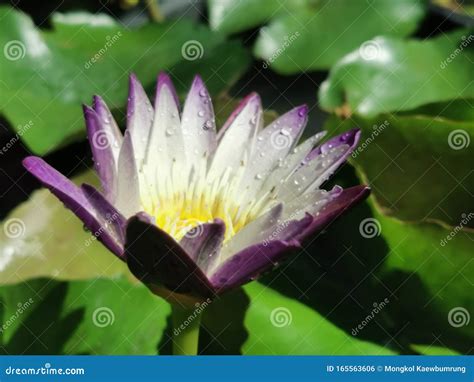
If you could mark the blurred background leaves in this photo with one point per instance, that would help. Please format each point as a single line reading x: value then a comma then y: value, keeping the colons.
x: 401, y: 71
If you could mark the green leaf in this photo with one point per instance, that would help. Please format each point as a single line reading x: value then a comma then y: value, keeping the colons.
x: 437, y: 268
x: 115, y: 317
x: 419, y: 167
x: 46, y: 75
x: 392, y: 74
x: 456, y: 110
x: 310, y: 35
x: 82, y: 317
x: 434, y: 350
x: 41, y: 238
x: 279, y: 325
x: 229, y: 16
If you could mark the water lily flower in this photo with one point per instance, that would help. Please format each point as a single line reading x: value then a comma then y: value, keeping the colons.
x: 195, y: 212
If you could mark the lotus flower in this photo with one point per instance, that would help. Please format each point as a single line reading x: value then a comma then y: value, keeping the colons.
x: 195, y: 212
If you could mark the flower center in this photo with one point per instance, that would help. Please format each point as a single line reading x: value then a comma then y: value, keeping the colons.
x: 202, y: 201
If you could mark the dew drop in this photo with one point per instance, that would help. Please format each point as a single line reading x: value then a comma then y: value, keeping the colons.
x: 169, y: 132
x: 207, y: 125
x: 201, y: 113
x: 202, y: 92
x: 259, y: 177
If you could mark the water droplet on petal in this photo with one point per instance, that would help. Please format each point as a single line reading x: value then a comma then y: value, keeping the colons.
x: 284, y: 132
x: 202, y: 92
x: 201, y: 113
x: 169, y: 132
x: 207, y: 125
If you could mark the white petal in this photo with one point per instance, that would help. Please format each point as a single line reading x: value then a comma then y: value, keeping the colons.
x: 165, y: 148
x: 291, y: 163
x: 239, y: 136
x: 310, y: 176
x: 198, y: 123
x: 139, y: 119
x: 272, y: 147
x: 128, y: 190
x: 256, y: 231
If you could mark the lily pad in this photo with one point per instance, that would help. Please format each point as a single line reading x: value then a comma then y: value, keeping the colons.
x: 114, y: 317
x: 441, y: 260
x: 367, y: 258
x: 98, y: 316
x: 309, y: 35
x: 389, y: 74
x: 284, y: 326
x: 419, y: 166
x: 41, y: 238
x: 45, y: 75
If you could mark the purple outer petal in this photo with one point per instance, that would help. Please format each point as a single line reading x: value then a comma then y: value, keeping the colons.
x: 73, y: 198
x: 253, y: 260
x: 350, y: 137
x: 100, y: 107
x: 346, y: 200
x: 156, y: 259
x: 203, y: 243
x: 114, y: 220
x: 249, y: 263
x: 101, y: 141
